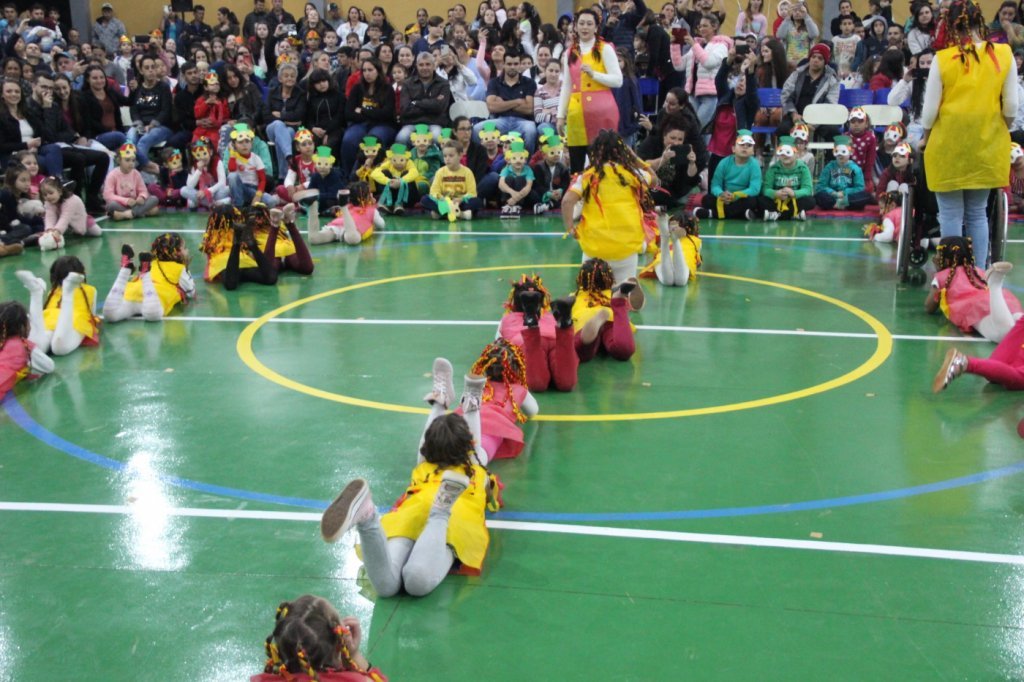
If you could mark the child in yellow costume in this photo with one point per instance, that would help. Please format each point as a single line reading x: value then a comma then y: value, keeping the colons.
x: 614, y: 192
x: 600, y: 313
x: 371, y: 155
x: 67, y: 319
x: 437, y: 525
x: 163, y: 282
x: 678, y: 258
x: 397, y: 177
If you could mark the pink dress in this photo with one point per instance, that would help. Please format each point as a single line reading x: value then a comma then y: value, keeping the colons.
x: 501, y: 433
x: 14, y: 357
x: 964, y: 304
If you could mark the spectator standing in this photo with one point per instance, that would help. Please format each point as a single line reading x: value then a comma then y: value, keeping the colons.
x: 108, y: 29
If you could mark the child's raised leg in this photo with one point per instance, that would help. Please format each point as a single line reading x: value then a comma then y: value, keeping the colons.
x: 439, y: 398
x: 680, y: 270
x: 301, y: 261
x: 472, y: 399
x: 562, y: 359
x: 664, y: 271
x: 351, y: 234
x: 999, y: 320
x: 383, y: 558
x: 431, y: 557
x: 152, y: 308
x: 38, y: 334
x: 115, y: 308
x: 65, y: 337
x: 315, y: 234
x: 617, y: 337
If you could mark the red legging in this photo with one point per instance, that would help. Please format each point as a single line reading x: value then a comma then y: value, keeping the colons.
x: 1006, y: 364
x: 615, y: 337
x: 300, y: 261
x: 550, y: 363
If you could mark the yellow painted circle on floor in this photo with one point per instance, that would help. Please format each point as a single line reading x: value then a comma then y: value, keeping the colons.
x: 883, y: 348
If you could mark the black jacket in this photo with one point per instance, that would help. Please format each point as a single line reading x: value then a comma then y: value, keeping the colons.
x: 249, y: 107
x: 376, y: 109
x: 50, y: 123
x: 477, y: 161
x: 293, y: 110
x: 185, y: 108
x: 149, y: 104
x: 425, y: 102
x: 325, y: 110
x: 10, y: 134
x: 91, y: 111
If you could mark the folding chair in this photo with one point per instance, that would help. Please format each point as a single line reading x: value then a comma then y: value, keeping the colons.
x: 472, y: 109
x: 649, y: 88
x: 824, y: 115
x: 883, y: 115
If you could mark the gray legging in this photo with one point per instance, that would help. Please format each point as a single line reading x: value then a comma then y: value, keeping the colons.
x: 421, y: 564
x: 138, y: 210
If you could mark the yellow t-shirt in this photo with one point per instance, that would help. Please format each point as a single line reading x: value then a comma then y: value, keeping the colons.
x: 454, y: 184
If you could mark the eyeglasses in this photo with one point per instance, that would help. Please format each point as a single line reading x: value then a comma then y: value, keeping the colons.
x: 464, y: 129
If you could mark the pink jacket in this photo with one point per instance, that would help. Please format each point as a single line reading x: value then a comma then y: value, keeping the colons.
x: 71, y: 213
x: 121, y: 187
x: 708, y: 58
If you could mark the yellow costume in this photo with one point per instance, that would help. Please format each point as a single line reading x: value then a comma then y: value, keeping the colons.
x: 591, y: 106
x: 582, y: 310
x: 85, y: 322
x: 467, y: 533
x: 611, y: 227
x: 219, y: 259
x: 965, y: 147
x: 691, y: 254
x: 165, y: 276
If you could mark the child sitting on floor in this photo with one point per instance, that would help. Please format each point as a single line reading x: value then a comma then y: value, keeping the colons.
x: 453, y: 191
x: 515, y: 182
x: 801, y: 135
x: 124, y: 191
x: 355, y: 221
x: 437, y: 526
x: 397, y: 178
x: 864, y: 146
x: 552, y: 174
x: 788, y: 188
x: 207, y: 183
x: 64, y: 210
x: 370, y: 155
x: 841, y: 183
x: 426, y: 156
x: 678, y: 257
x: 247, y: 176
x: 890, y: 209
x: 327, y: 180
x: 301, y: 168
x: 736, y: 183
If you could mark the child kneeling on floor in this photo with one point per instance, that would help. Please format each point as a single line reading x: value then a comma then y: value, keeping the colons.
x: 438, y: 524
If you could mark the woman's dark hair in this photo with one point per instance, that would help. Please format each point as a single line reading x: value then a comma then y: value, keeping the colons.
x: 532, y: 16
x: 319, y: 76
x: 56, y: 184
x: 371, y: 88
x: 1004, y: 5
x: 380, y: 48
x: 777, y: 70
x: 549, y: 36
x: 891, y: 64
x: 88, y: 72
x: 917, y: 89
x: 926, y: 28
x: 628, y: 69
x: 21, y: 103
x: 448, y: 442
x: 13, y: 321
x: 14, y: 169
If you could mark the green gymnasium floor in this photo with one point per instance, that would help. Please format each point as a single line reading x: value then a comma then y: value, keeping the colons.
x: 767, y: 491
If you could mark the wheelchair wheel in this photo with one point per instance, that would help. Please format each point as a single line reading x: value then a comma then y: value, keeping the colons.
x: 904, y: 246
x: 918, y: 256
x: 998, y: 227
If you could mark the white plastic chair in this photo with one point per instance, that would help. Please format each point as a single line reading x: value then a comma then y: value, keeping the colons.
x: 883, y: 115
x: 823, y: 115
x: 472, y: 109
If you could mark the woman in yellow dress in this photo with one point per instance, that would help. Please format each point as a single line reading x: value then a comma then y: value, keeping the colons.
x: 67, y: 319
x: 163, y: 282
x: 587, y: 104
x: 437, y: 526
x: 970, y: 98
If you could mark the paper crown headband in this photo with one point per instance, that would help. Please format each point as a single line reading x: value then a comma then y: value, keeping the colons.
x: 242, y: 131
x: 421, y: 132
x: 398, y: 150
x: 902, y: 149
x: 895, y: 132
x: 323, y: 153
x: 212, y: 78
x: 489, y: 132
x: 370, y: 145
x: 174, y: 156
x: 303, y: 135
x: 511, y: 136
x: 446, y: 134
x: 801, y: 132
x: 842, y: 143
x: 858, y: 114
x: 517, y: 150
x: 744, y: 137
x: 127, y: 150
x: 125, y: 39
x: 785, y: 148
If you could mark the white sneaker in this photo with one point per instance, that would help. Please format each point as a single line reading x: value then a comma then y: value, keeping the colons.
x: 771, y: 215
x: 466, y: 215
x: 352, y: 506
x: 701, y: 213
x: 802, y: 215
x: 473, y: 393
x: 506, y: 212
x: 515, y: 211
x: 453, y: 484
x: 540, y: 208
x: 444, y: 389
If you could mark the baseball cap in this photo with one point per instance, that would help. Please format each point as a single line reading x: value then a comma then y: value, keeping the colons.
x: 106, y: 5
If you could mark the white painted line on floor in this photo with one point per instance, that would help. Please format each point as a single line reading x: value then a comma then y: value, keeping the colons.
x: 566, y: 529
x: 645, y: 327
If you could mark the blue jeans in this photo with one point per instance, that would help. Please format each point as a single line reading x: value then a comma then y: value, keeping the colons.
x: 243, y: 194
x: 144, y: 142
x: 282, y: 136
x: 487, y: 187
x: 354, y: 135
x: 112, y: 140
x: 51, y: 160
x: 964, y: 212
x: 525, y: 127
x: 705, y: 106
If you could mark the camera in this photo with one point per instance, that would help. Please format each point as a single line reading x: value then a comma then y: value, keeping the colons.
x: 742, y: 49
x: 682, y: 150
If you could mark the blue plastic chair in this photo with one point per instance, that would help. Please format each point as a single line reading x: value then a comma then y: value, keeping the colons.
x: 770, y: 98
x: 649, y: 88
x: 856, y: 98
x: 882, y: 96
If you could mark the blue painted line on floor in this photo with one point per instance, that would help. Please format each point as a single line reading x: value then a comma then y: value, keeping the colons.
x: 20, y: 417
